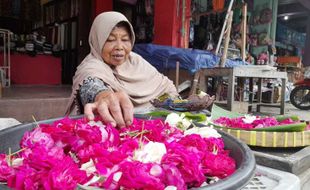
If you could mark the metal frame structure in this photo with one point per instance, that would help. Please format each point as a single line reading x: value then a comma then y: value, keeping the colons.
x: 5, y: 66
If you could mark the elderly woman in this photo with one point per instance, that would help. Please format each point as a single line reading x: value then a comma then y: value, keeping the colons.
x: 112, y: 80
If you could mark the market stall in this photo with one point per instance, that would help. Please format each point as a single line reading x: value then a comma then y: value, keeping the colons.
x: 184, y: 143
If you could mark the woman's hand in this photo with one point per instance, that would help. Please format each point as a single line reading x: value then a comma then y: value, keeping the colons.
x: 113, y: 107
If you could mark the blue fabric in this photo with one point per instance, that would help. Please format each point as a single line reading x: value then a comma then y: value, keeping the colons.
x: 165, y: 57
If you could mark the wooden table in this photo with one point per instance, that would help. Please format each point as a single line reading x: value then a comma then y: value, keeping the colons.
x: 248, y: 71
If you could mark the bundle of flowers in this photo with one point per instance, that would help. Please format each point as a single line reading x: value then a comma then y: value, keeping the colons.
x: 249, y: 122
x: 223, y: 118
x: 149, y: 154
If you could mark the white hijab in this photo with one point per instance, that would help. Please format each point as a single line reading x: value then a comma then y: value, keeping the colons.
x: 140, y: 80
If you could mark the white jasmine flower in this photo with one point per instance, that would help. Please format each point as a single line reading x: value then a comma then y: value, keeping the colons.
x: 185, y: 123
x: 104, y: 134
x: 171, y: 187
x: 177, y: 120
x: 249, y: 119
x: 117, y: 176
x: 204, y: 184
x: 259, y: 126
x: 151, y: 152
x: 17, y: 162
x: 74, y: 157
x: 89, y: 167
x: 214, y: 179
x: 156, y: 170
x: 205, y: 132
x: 173, y: 119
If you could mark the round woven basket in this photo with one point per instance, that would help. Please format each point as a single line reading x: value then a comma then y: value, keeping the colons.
x: 270, y: 139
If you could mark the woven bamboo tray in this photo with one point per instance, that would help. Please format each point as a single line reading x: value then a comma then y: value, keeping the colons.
x: 271, y: 139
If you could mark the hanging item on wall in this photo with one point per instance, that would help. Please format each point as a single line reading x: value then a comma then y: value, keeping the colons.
x: 265, y: 16
x: 249, y: 58
x: 218, y: 5
x: 141, y: 34
x: 210, y: 43
x: 145, y: 7
x: 263, y: 58
x: 263, y: 38
x: 144, y: 21
x: 256, y: 18
x: 253, y: 39
x: 236, y: 40
x: 148, y: 7
x: 272, y: 50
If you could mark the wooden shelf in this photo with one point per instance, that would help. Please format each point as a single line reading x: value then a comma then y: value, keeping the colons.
x: 60, y: 11
x: 61, y: 19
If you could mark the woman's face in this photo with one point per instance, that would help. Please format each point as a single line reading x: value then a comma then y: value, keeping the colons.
x: 116, y: 49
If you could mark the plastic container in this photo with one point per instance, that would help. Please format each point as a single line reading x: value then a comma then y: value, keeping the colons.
x: 245, y: 161
x: 272, y: 179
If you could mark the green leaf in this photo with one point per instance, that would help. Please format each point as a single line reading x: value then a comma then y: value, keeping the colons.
x: 218, y: 112
x: 283, y: 117
x: 160, y: 113
x: 294, y: 127
x: 199, y: 117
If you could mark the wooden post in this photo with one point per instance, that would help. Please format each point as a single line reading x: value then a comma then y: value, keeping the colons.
x: 244, y: 31
x: 224, y: 27
x: 227, y: 39
x: 243, y: 46
x: 224, y: 55
x: 195, y: 83
x: 177, y: 74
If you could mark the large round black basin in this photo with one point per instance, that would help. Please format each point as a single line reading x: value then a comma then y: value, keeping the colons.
x: 10, y: 138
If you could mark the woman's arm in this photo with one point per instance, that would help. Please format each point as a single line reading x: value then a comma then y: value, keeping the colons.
x: 113, y: 107
x: 90, y: 88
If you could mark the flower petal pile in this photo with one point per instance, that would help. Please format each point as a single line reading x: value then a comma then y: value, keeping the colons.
x: 251, y: 122
x: 149, y: 154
